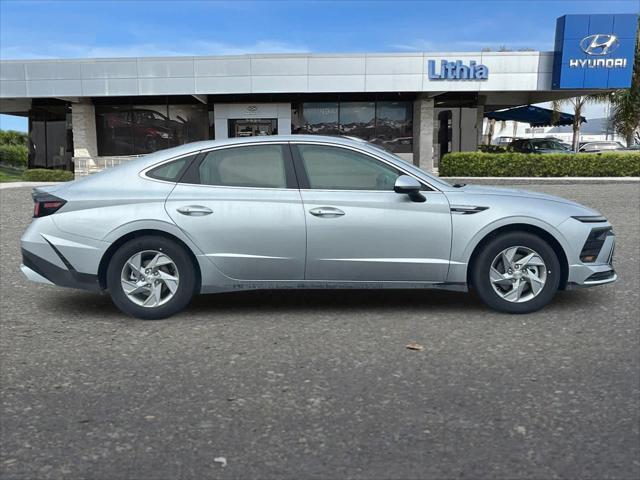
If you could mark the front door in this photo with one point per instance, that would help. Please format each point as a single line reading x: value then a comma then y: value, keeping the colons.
x: 359, y: 229
x: 242, y: 208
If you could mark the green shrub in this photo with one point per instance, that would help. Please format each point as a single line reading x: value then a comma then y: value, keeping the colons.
x: 14, y: 155
x: 514, y: 164
x: 44, y: 175
x: 11, y: 137
x: 492, y: 148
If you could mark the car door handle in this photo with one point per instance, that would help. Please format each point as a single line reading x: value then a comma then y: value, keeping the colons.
x: 195, y: 210
x: 326, y: 212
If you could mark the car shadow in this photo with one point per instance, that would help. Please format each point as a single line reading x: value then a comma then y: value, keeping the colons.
x: 270, y: 302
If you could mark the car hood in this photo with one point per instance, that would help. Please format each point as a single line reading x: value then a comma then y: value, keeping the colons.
x: 512, y: 192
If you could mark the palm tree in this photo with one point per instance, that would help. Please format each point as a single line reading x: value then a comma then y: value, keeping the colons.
x: 577, y: 104
x: 625, y: 104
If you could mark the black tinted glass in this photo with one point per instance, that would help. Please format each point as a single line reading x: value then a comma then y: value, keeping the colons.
x: 334, y: 168
x: 171, y: 171
x: 256, y: 166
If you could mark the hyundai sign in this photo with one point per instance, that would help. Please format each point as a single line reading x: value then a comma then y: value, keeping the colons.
x: 594, y: 51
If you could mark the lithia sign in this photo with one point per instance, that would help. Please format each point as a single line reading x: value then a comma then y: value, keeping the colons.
x: 456, y: 70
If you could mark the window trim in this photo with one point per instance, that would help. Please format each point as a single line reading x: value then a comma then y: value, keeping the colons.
x: 190, y: 175
x: 303, y: 179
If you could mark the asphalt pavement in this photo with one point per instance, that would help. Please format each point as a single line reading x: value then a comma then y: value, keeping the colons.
x: 320, y: 384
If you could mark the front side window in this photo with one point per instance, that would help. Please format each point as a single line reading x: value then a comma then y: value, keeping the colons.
x: 335, y: 168
x: 260, y: 166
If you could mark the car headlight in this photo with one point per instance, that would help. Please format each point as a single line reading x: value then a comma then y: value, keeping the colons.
x: 164, y: 135
x: 590, y: 218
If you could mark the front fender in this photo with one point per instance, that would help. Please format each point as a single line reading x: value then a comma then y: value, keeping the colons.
x: 465, y: 239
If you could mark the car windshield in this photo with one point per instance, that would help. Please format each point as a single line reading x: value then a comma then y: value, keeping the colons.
x: 546, y: 144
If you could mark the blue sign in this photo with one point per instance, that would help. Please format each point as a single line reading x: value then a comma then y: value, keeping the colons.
x: 457, y: 71
x: 594, y: 51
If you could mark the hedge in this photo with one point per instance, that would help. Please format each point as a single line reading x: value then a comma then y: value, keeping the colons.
x: 14, y: 155
x: 12, y: 137
x: 44, y: 175
x: 514, y: 164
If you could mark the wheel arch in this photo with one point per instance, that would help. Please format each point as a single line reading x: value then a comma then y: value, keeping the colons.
x: 523, y: 227
x: 116, y: 244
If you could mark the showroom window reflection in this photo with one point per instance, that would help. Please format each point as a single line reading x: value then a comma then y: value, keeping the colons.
x: 140, y: 129
x: 388, y: 124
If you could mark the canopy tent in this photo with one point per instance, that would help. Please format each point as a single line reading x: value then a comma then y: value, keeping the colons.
x: 534, y: 116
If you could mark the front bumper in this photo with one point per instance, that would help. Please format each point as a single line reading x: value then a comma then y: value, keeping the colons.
x: 599, y: 272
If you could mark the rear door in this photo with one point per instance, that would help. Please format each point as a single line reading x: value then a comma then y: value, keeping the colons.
x: 241, y: 206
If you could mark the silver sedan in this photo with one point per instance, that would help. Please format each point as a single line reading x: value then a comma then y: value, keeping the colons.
x: 305, y: 212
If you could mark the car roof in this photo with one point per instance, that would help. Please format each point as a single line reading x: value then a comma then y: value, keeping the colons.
x: 139, y: 164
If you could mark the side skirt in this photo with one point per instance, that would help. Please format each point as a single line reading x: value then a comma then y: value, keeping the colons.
x: 331, y: 285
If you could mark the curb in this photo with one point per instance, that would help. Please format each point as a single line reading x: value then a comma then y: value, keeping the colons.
x: 542, y: 180
x: 7, y: 185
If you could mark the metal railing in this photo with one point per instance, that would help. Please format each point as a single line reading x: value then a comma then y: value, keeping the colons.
x: 87, y: 165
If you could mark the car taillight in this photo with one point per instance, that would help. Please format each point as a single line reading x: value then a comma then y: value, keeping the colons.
x: 45, y: 204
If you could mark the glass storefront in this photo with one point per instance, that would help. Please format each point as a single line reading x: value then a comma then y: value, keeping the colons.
x: 318, y: 118
x: 140, y: 125
x: 394, y: 126
x: 253, y: 127
x: 139, y: 128
x: 50, y: 136
x: 358, y: 119
x: 388, y: 124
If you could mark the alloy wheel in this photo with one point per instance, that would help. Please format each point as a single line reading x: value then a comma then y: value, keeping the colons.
x: 518, y: 274
x: 150, y: 278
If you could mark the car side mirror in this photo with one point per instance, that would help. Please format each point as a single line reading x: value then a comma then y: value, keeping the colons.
x: 409, y: 186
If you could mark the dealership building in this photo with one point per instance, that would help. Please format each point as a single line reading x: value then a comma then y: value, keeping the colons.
x: 88, y: 114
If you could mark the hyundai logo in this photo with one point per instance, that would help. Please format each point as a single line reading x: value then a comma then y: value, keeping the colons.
x: 599, y: 44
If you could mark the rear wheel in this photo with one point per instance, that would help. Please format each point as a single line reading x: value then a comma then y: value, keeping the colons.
x: 151, y: 277
x: 516, y: 272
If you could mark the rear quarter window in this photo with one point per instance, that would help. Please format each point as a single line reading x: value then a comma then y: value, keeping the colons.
x: 171, y: 171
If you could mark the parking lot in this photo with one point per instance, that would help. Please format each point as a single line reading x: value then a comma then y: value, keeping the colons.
x: 321, y: 384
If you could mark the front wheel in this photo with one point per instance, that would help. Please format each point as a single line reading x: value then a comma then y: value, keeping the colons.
x: 151, y: 277
x: 516, y: 272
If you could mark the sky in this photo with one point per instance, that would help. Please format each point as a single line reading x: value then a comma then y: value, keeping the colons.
x: 82, y: 28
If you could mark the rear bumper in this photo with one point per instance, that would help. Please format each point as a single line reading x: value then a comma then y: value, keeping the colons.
x: 38, y: 269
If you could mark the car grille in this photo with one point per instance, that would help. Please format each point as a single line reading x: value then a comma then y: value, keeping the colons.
x: 596, y: 277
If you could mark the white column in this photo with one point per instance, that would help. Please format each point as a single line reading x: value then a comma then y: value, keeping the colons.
x: 83, y: 120
x: 423, y: 133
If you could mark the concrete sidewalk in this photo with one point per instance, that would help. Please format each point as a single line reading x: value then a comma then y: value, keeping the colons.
x: 541, y: 180
x: 6, y: 185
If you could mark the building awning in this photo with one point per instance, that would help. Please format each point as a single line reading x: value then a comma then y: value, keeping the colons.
x: 534, y: 116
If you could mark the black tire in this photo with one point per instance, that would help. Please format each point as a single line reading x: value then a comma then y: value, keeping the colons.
x: 183, y: 262
x: 482, y: 268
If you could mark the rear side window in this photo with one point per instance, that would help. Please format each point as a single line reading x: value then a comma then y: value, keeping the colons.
x: 260, y: 166
x: 172, y: 171
x: 335, y: 168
